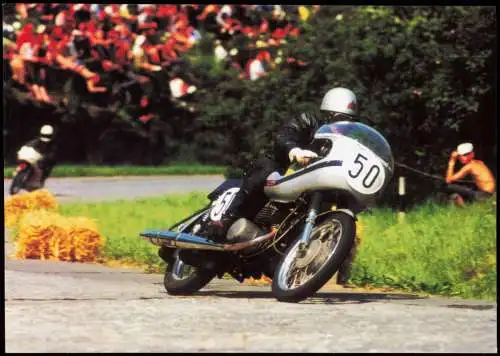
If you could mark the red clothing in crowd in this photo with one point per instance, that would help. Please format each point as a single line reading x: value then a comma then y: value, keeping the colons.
x: 264, y: 26
x: 279, y: 33
x: 168, y: 49
x: 174, y: 19
x: 166, y: 10
x: 249, y: 31
x: 26, y: 35
x: 121, y: 52
x: 181, y: 21
x: 232, y: 25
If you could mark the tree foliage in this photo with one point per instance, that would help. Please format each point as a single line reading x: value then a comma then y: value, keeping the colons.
x: 424, y: 77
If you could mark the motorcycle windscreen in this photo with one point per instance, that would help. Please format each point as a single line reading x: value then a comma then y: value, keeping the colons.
x: 363, y: 134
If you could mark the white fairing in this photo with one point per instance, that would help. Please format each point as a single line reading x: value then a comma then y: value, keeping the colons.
x: 349, y: 166
x: 29, y: 155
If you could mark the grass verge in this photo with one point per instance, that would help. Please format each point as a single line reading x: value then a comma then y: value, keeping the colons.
x: 436, y: 250
x: 110, y: 171
x: 441, y: 250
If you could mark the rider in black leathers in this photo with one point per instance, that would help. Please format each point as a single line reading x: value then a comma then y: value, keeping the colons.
x: 45, y: 145
x: 338, y: 104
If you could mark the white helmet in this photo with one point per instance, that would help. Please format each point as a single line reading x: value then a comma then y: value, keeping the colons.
x: 46, y: 133
x: 340, y: 101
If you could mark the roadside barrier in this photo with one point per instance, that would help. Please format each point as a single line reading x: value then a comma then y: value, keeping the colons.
x: 44, y: 234
x: 47, y: 235
x: 17, y: 205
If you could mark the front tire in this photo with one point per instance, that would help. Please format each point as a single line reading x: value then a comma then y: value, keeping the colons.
x: 184, y: 279
x: 340, y: 229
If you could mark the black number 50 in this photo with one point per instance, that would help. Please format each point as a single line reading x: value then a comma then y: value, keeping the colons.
x: 370, y: 177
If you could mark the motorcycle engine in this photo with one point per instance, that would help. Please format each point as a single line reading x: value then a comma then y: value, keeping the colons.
x: 243, y: 230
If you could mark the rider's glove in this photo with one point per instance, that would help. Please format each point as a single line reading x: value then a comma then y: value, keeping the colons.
x: 301, y: 156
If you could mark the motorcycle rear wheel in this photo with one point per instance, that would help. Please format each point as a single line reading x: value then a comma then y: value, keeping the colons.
x: 183, y: 279
x: 19, y: 181
x: 337, y: 227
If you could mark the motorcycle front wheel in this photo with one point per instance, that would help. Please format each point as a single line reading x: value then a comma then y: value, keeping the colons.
x: 183, y: 279
x: 300, y: 274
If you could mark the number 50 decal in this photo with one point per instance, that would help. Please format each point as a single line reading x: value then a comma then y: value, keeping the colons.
x: 365, y: 173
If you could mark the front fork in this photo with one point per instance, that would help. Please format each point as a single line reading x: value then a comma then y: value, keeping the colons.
x: 314, y: 206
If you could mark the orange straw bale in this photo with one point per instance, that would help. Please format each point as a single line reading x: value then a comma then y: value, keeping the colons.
x: 36, y: 231
x: 49, y: 236
x: 17, y: 205
x: 44, y: 200
x: 262, y: 281
x: 87, y: 240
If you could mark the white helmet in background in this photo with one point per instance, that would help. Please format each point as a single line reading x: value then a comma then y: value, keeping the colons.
x: 465, y: 148
x: 46, y: 133
x: 341, y: 102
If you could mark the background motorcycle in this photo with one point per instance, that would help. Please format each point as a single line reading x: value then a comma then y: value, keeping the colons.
x: 304, y: 232
x: 24, y: 176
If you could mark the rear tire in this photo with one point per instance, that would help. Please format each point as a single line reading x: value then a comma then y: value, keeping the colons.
x: 341, y: 250
x: 198, y: 279
x: 19, y: 181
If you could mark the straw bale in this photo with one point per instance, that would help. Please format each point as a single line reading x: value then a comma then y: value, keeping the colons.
x: 49, y: 236
x: 17, y: 205
x: 87, y: 240
x: 36, y: 230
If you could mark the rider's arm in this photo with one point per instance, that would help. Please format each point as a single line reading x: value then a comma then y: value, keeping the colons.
x: 294, y: 135
x: 298, y: 132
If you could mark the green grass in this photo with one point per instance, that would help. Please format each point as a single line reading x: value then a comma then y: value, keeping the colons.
x: 109, y: 171
x: 436, y: 250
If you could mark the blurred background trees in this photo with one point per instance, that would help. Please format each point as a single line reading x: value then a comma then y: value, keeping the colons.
x: 425, y: 77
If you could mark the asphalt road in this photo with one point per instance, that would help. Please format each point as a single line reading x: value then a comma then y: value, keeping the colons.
x: 70, y: 307
x: 109, y: 188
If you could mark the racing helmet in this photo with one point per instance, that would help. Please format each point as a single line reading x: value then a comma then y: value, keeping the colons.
x: 340, y: 103
x: 46, y: 133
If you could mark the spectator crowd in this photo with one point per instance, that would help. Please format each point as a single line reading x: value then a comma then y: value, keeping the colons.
x: 135, y: 52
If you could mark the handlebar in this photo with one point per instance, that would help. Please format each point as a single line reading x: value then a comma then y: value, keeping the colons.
x: 315, y: 159
x: 311, y: 161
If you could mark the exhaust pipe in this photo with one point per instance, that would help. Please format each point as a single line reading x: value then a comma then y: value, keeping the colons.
x: 188, y: 241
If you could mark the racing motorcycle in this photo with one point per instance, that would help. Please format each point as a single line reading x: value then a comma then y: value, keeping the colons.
x: 305, y: 230
x: 24, y: 176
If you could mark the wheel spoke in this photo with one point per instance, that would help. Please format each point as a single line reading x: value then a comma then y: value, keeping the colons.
x: 298, y: 277
x: 306, y: 275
